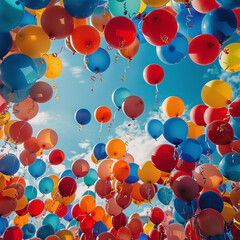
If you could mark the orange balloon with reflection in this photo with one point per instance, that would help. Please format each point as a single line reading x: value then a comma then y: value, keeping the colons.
x: 21, y: 203
x: 115, y: 148
x: 4, y: 118
x: 103, y: 114
x: 47, y: 138
x: 55, y: 180
x: 54, y: 66
x: 7, y: 127
x: 131, y: 50
x: 120, y: 170
x: 20, y: 131
x: 87, y: 203
x: 98, y: 213
x: 173, y: 106
x: 107, y: 221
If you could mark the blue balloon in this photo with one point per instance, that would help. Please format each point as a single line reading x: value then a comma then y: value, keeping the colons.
x: 18, y: 72
x: 175, y: 51
x: 222, y: 188
x: 30, y: 193
x: 98, y: 61
x: 41, y: 65
x: 229, y: 3
x: 143, y: 236
x: 221, y: 23
x: 5, y: 43
x: 178, y: 7
x: 73, y: 223
x: 138, y: 24
x: 36, y: 4
x: 45, y: 231
x: 119, y: 95
x: 190, y: 150
x: 60, y: 227
x: 99, y: 151
x: 133, y: 175
x: 69, y: 216
x: 154, y: 128
x: 82, y: 116
x: 80, y: 9
x: 178, y: 218
x: 53, y: 220
x: 185, y: 209
x: 28, y: 230
x: 91, y: 177
x: 11, y: 14
x: 28, y: 19
x: 38, y: 168
x: 98, y: 228
x: 165, y: 195
x: 102, y: 2
x: 207, y: 146
x: 9, y: 164
x: 236, y: 127
x: 46, y: 185
x: 212, y: 200
x: 3, y: 225
x: 68, y: 173
x: 229, y: 166
x: 175, y: 130
x: 88, y: 192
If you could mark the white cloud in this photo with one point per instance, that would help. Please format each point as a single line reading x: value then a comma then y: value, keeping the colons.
x: 41, y: 119
x: 82, y: 81
x: 85, y: 144
x: 58, y: 168
x: 76, y: 71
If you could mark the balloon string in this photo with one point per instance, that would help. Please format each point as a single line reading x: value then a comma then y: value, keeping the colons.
x: 116, y: 57
x: 189, y: 19
x: 57, y: 54
x: 125, y: 72
x: 86, y: 62
x: 164, y: 38
x: 99, y: 135
x: 55, y: 88
x: 128, y: 135
x: 109, y: 48
x: 114, y: 116
x: 156, y: 96
x: 93, y: 78
x: 80, y: 128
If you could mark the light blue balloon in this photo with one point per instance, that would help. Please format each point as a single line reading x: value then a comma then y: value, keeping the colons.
x: 9, y: 164
x: 178, y: 7
x: 5, y: 43
x: 165, y: 195
x: 68, y: 173
x: 73, y: 223
x: 119, y: 95
x: 11, y: 14
x: 28, y: 19
x: 154, y: 128
x: 46, y: 185
x: 61, y: 226
x: 126, y: 8
x: 133, y: 175
x: 175, y: 51
x: 91, y: 177
x: 28, y: 230
x: 178, y: 218
x: 53, y: 220
x: 3, y: 225
x: 38, y: 168
x: 45, y: 231
x: 185, y: 209
x: 41, y: 65
x: 88, y: 192
x: 207, y: 146
x: 36, y: 4
x: 229, y: 3
x: 30, y: 193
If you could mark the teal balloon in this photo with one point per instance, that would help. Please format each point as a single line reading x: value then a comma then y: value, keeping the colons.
x: 9, y: 164
x: 236, y: 126
x: 30, y: 193
x: 53, y: 220
x: 88, y: 192
x: 28, y: 19
x: 45, y: 231
x: 154, y: 128
x: 41, y: 65
x: 229, y: 3
x: 36, y: 4
x: 125, y: 8
x: 178, y: 218
x: 3, y: 225
x: 38, y: 168
x: 11, y: 14
x: 28, y: 230
x: 61, y: 226
x: 68, y: 173
x: 46, y: 185
x: 5, y: 43
x: 165, y: 195
x: 91, y: 177
x: 119, y: 95
x: 73, y: 223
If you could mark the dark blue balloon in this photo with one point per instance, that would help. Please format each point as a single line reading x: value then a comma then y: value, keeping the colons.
x: 28, y: 19
x: 165, y: 195
x: 221, y: 23
x: 88, y: 192
x: 207, y: 146
x: 38, y: 168
x: 212, y: 200
x: 190, y: 150
x: 178, y: 218
x: 69, y: 216
x: 36, y: 4
x: 175, y: 130
x: 98, y: 228
x: 229, y: 3
x: 5, y: 43
x: 91, y: 177
x: 45, y: 231
x: 133, y: 175
x: 80, y: 8
x: 229, y: 166
x: 82, y: 116
x: 190, y: 24
x: 46, y: 185
x: 68, y: 173
x: 30, y: 193
x: 154, y: 128
x: 175, y: 51
x: 3, y: 225
x: 185, y: 209
x: 138, y: 24
x: 98, y: 62
x: 28, y: 230
x: 53, y: 220
x: 41, y: 65
x: 99, y: 151
x: 18, y: 71
x: 9, y: 164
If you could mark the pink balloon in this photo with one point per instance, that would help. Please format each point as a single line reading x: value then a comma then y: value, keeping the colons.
x: 74, y: 230
x: 175, y: 232
x: 127, y: 158
x: 112, y: 207
x: 103, y: 188
x: 26, y: 158
x: 104, y: 170
x: 124, y: 233
x: 80, y: 168
x: 168, y: 216
x: 133, y: 106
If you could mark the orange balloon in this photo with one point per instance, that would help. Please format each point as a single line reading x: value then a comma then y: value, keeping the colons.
x: 94, y: 160
x: 7, y: 127
x: 104, y: 170
x: 54, y: 66
x: 53, y: 237
x: 47, y: 138
x: 136, y: 192
x: 40, y: 152
x: 4, y: 117
x: 115, y: 148
x: 55, y: 180
x: 79, y: 22
x: 98, y: 213
x: 18, y: 180
x: 21, y: 203
x: 120, y: 170
x: 124, y: 233
x: 107, y: 221
x: 51, y: 205
x: 26, y: 158
x: 131, y: 50
x: 235, y: 197
x: 85, y: 39
x: 19, y: 221
x: 103, y: 114
x: 1, y: 133
x: 173, y: 106
x: 87, y: 203
x: 99, y: 19
x: 194, y: 131
x: 31, y: 145
x: 212, y: 190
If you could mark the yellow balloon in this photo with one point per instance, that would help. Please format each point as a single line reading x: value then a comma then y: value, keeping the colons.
x: 10, y: 192
x: 21, y: 203
x: 194, y: 131
x: 56, y: 196
x: 155, y: 3
x: 19, y: 221
x: 4, y: 118
x: 6, y: 177
x: 115, y: 148
x: 173, y: 106
x: 51, y: 205
x: 7, y: 127
x: 40, y: 152
x: 148, y: 173
x: 229, y: 58
x: 107, y: 220
x: 64, y: 234
x: 55, y: 180
x: 228, y: 212
x: 2, y: 182
x: 33, y: 41
x: 54, y: 66
x: 216, y: 94
x: 142, y: 7
x: 36, y: 11
x: 94, y: 160
x: 147, y: 227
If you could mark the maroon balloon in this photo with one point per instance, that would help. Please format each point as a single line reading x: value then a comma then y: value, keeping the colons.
x: 185, y: 166
x: 103, y: 188
x: 175, y: 175
x: 35, y: 207
x: 153, y: 74
x: 235, y: 232
x: 67, y: 186
x: 13, y: 233
x: 220, y: 132
x: 147, y: 191
x: 234, y: 108
x: 56, y: 157
x: 213, y: 114
x: 197, y: 114
x: 23, y: 211
x: 56, y: 22
x: 26, y: 158
x: 165, y: 157
x: 106, y: 236
x: 133, y: 106
x: 41, y: 92
x: 7, y: 205
x: 77, y: 213
x: 155, y: 234
x: 185, y: 188
x: 156, y: 215
x: 86, y: 224
x: 123, y: 200
x: 80, y: 168
x: 119, y: 221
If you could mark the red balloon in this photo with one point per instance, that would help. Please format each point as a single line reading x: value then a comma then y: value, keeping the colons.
x: 86, y: 224
x: 119, y: 221
x: 13, y: 233
x: 23, y: 211
x: 77, y: 213
x: 123, y: 200
x: 56, y: 157
x: 103, y: 188
x: 31, y: 145
x: 26, y: 158
x: 235, y: 232
x: 20, y: 131
x: 213, y: 114
x: 133, y: 106
x: 41, y: 92
x: 56, y: 22
x: 185, y: 166
x: 7, y: 205
x: 220, y: 132
x: 204, y: 6
x: 114, y: 232
x: 147, y: 191
x: 87, y: 236
x: 106, y: 236
x: 192, y: 229
x: 234, y: 108
x: 175, y: 175
x: 204, y: 49
x: 197, y: 114
x: 67, y: 186
x: 155, y: 234
x: 237, y: 13
x: 120, y: 32
x: 35, y: 207
x: 159, y: 27
x: 153, y: 74
x: 156, y: 215
x: 62, y: 210
x: 165, y: 157
x: 3, y: 103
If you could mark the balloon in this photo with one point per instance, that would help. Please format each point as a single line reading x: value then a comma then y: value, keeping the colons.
x: 47, y: 138
x: 56, y: 22
x: 123, y: 200
x: 81, y: 9
x: 67, y: 186
x: 120, y: 32
x: 13, y: 67
x: 13, y: 233
x: 103, y: 114
x: 98, y: 61
x: 54, y: 66
x: 159, y: 27
x: 229, y: 3
x: 115, y: 148
x: 153, y: 74
x: 216, y: 94
x: 87, y: 204
x: 9, y: 164
x: 34, y: 4
x: 2, y: 182
x: 138, y: 24
x: 185, y: 210
x: 234, y: 108
x: 6, y: 43
x: 135, y: 225
x: 3, y: 225
x: 18, y: 187
x: 82, y: 116
x: 133, y: 175
x: 33, y: 41
x: 98, y: 213
x: 194, y: 131
x: 85, y: 39
x: 212, y: 114
x: 104, y: 169
x: 148, y: 173
x: 221, y: 23
x: 155, y: 3
x: 35, y: 207
x: 38, y: 168
x: 119, y: 221
x: 56, y: 157
x: 112, y: 207
x: 156, y: 215
x: 147, y: 191
x: 204, y: 49
x: 235, y: 232
x: 124, y: 233
x: 106, y: 236
x: 68, y: 217
x: 52, y: 237
x: 28, y: 19
x: 31, y: 145
x: 197, y: 114
x: 99, y: 151
x: 41, y: 92
x: 173, y: 107
x: 131, y: 50
x: 103, y: 188
x: 127, y: 158
x: 175, y: 231
x: 91, y: 177
x: 30, y: 192
x: 211, y: 200
x: 7, y: 205
x: 164, y: 195
x: 46, y: 185
x: 44, y: 231
x: 28, y: 230
x: 119, y: 95
x: 205, y: 6
x: 52, y: 220
x: 68, y: 44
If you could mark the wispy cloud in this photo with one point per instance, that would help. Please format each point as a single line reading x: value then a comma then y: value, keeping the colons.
x: 76, y: 71
x: 85, y: 144
x: 41, y: 119
x: 58, y: 168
